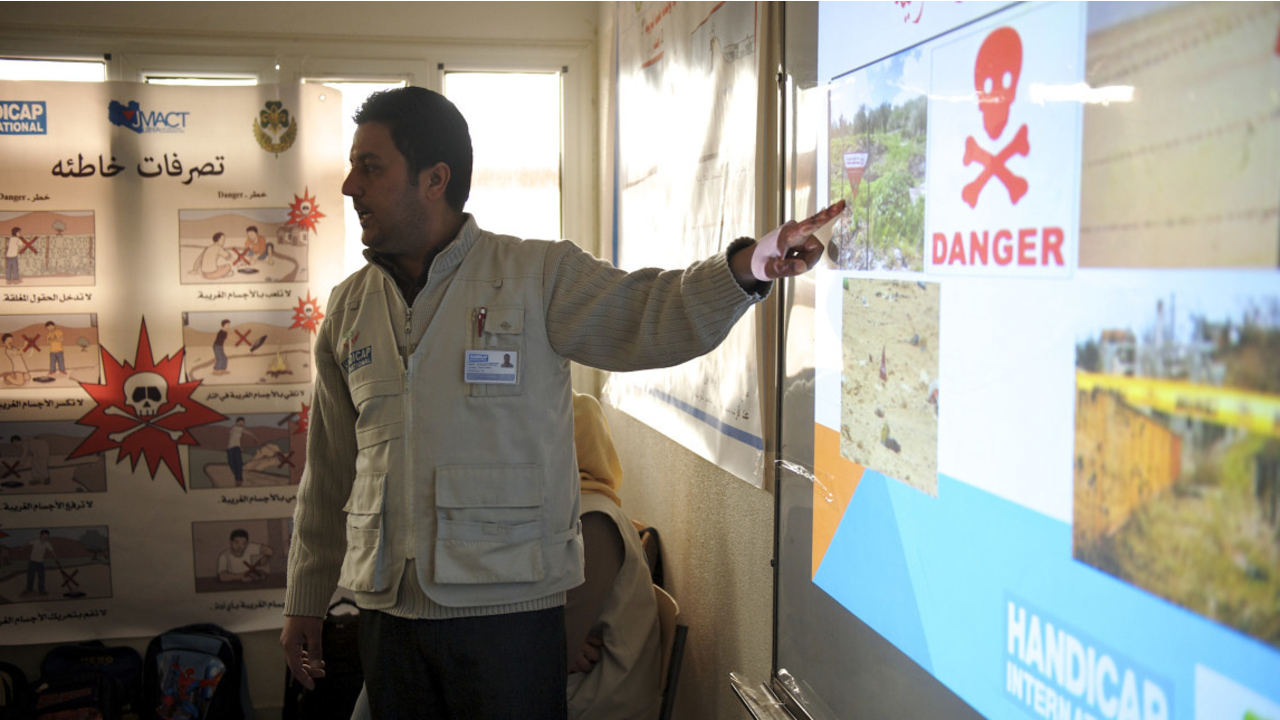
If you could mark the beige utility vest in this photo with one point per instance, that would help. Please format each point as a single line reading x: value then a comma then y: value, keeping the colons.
x: 477, y: 482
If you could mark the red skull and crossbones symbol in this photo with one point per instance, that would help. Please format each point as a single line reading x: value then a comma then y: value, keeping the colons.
x: 995, y: 76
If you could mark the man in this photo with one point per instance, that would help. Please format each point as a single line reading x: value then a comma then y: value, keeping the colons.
x: 53, y: 336
x: 12, y: 249
x: 235, y: 455
x: 257, y: 248
x: 459, y: 532
x: 220, y: 350
x: 214, y: 261
x: 19, y: 374
x: 35, y: 451
x: 35, y: 564
x: 244, y: 561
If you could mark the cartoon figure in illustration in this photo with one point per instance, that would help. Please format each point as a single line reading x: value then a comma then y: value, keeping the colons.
x: 244, y: 561
x: 12, y: 249
x: 35, y: 564
x: 219, y: 352
x: 214, y: 261
x: 18, y: 374
x: 235, y: 458
x: 53, y: 336
x: 257, y: 248
x: 34, y: 451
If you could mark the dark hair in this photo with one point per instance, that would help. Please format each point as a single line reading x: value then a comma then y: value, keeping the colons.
x: 5, y: 336
x: 251, y: 228
x: 427, y: 129
x: 218, y: 235
x: 48, y: 324
x: 239, y: 533
x: 16, y: 230
x: 240, y: 419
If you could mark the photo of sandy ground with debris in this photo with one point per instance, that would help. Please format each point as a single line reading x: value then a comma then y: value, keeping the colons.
x: 889, y: 383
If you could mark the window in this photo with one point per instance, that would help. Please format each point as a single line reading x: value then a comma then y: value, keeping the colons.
x: 59, y: 70
x: 201, y: 80
x: 514, y: 119
x: 354, y: 93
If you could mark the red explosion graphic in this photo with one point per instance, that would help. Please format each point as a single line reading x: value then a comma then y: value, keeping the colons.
x: 144, y: 410
x: 304, y: 419
x: 307, y: 314
x: 304, y: 211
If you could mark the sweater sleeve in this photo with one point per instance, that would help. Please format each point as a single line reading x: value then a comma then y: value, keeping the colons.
x: 614, y: 320
x: 319, y: 523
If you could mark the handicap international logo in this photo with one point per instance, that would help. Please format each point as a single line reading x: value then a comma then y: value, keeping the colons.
x: 133, y: 117
x: 275, y: 128
x: 358, y: 359
x: 995, y: 76
x: 23, y: 117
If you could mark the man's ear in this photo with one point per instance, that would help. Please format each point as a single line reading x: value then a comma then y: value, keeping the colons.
x: 433, y: 181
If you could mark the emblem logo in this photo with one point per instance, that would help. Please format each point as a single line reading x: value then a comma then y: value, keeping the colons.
x: 275, y: 128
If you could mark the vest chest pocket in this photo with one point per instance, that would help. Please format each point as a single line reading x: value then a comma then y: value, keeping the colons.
x: 488, y: 524
x: 364, y: 566
x: 498, y: 329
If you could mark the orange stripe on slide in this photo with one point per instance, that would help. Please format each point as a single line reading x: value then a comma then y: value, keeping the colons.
x: 837, y: 479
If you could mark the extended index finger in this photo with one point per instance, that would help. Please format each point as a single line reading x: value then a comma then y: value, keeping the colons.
x: 822, y: 217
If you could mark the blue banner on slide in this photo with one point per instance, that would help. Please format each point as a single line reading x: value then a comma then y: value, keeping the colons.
x: 985, y: 595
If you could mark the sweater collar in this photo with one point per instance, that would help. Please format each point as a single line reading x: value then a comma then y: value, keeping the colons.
x: 442, y: 265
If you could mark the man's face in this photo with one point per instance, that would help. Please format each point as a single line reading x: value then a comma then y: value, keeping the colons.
x: 238, y: 544
x: 389, y: 206
x: 253, y: 236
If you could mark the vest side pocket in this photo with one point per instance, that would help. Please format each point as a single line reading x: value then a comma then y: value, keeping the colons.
x: 489, y: 524
x: 364, y: 566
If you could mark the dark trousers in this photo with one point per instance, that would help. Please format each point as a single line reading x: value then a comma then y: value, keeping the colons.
x: 36, y: 570
x: 498, y: 667
x: 235, y: 460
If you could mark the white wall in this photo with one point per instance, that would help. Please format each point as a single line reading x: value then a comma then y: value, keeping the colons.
x: 717, y: 530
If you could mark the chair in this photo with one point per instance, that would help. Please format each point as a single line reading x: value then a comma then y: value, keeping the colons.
x: 673, y: 636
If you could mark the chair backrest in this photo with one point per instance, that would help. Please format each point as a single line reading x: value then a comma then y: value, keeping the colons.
x: 651, y: 545
x: 673, y: 638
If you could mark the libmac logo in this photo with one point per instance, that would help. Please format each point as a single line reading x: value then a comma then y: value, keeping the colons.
x: 134, y: 118
x: 23, y: 117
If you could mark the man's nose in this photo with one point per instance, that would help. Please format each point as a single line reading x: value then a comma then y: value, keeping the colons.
x: 349, y: 185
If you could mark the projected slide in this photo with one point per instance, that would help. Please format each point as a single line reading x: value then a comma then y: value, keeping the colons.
x: 1047, y: 351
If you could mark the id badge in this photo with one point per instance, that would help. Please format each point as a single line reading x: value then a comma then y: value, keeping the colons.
x: 491, y: 366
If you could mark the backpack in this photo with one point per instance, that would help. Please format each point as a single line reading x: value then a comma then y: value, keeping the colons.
x: 195, y: 672
x: 82, y: 695
x: 122, y: 665
x: 16, y: 698
x: 335, y: 695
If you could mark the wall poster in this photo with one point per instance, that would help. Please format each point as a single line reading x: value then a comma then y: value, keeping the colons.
x: 168, y: 252
x: 686, y: 189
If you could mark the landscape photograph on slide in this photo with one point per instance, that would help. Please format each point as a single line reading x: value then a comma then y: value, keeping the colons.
x: 878, y: 122
x: 889, y: 379
x: 1187, y: 176
x: 1177, y: 451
